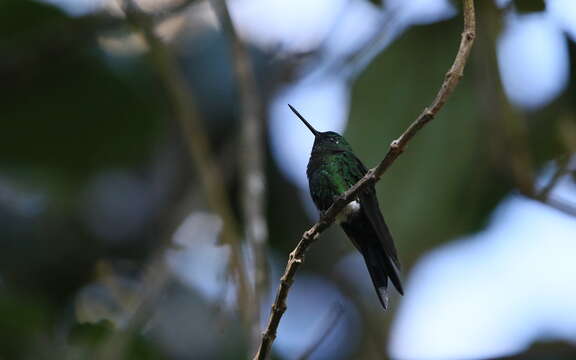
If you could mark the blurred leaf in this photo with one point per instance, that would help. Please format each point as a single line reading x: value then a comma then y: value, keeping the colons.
x: 90, y: 333
x: 22, y: 321
x: 528, y: 6
x: 12, y: 13
x: 63, y: 107
x: 93, y: 337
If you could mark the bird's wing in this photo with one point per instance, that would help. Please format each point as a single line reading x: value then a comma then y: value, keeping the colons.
x: 370, y: 207
x: 369, y: 204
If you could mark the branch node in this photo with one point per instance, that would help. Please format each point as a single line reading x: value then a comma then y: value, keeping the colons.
x: 311, y: 234
x: 286, y: 280
x: 278, y: 308
x: 372, y: 175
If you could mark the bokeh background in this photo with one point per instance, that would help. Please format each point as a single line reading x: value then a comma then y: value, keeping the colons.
x: 109, y: 248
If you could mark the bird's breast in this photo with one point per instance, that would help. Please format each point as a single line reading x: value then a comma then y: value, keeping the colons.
x: 350, y: 209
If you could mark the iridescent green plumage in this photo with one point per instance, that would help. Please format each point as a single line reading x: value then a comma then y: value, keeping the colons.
x: 333, y: 168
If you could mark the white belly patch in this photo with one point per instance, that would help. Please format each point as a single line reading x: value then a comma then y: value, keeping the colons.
x: 348, y: 210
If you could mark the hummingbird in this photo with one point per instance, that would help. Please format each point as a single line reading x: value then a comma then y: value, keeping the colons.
x: 332, y: 169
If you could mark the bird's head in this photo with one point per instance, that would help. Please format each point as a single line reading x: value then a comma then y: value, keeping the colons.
x: 324, y: 142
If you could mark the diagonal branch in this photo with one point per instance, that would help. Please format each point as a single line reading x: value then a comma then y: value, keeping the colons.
x: 251, y: 160
x: 546, y: 195
x: 558, y: 204
x: 562, y: 168
x: 296, y: 257
x: 198, y: 147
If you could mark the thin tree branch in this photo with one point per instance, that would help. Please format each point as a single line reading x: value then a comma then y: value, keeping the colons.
x: 561, y: 170
x: 372, y: 45
x: 187, y: 116
x: 296, y: 257
x: 546, y: 196
x: 332, y: 319
x: 560, y: 205
x: 251, y: 159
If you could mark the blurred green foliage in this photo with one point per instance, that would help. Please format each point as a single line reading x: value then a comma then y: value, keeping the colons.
x: 64, y: 108
x: 88, y: 338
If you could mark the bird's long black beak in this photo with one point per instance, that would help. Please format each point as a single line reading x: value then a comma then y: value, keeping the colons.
x: 314, y: 131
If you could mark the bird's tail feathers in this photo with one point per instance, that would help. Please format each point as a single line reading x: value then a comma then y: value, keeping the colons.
x: 379, y: 279
x: 380, y: 266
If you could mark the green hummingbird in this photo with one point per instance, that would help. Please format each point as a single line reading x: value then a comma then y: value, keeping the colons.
x: 332, y: 169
